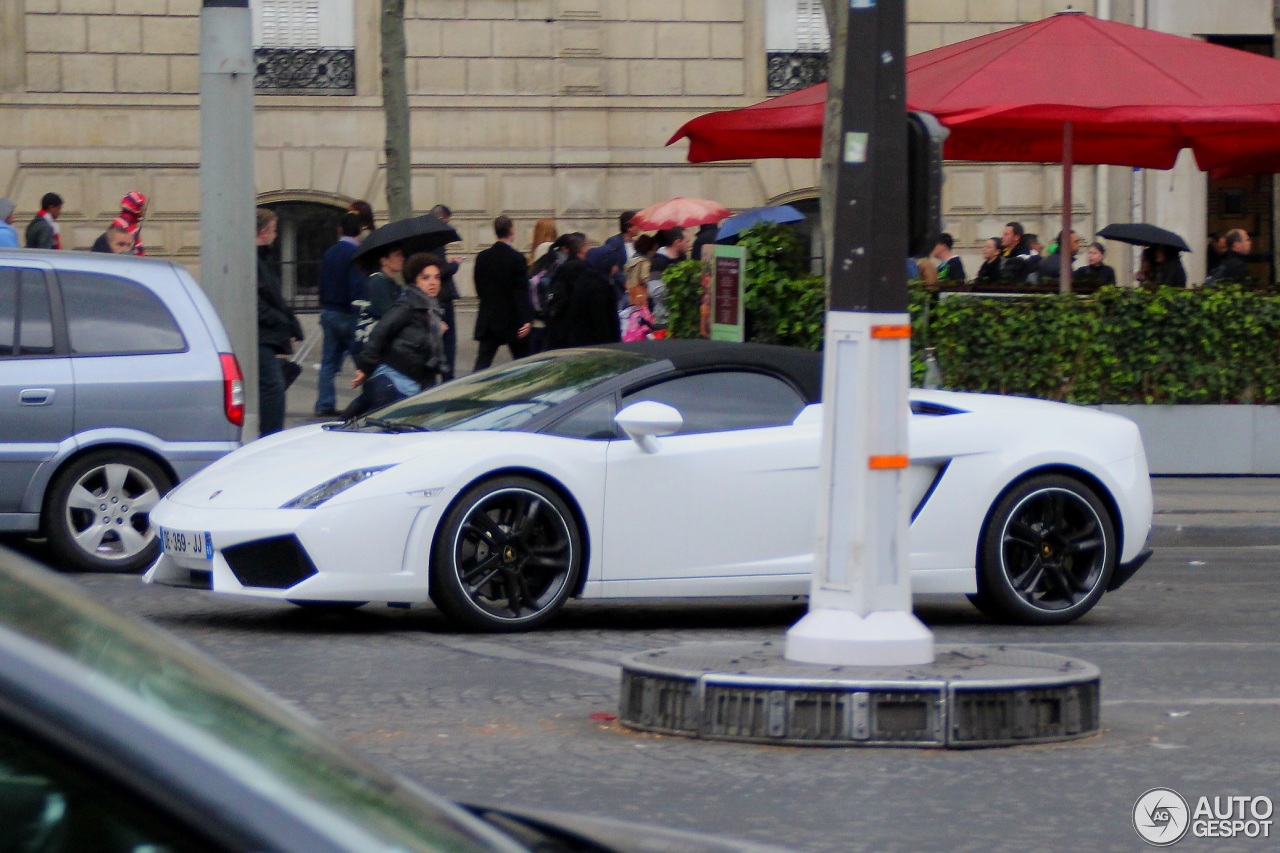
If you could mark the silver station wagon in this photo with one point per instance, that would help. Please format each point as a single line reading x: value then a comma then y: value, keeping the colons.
x: 117, y: 381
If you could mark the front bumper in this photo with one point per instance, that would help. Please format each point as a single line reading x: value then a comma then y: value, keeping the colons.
x: 372, y: 550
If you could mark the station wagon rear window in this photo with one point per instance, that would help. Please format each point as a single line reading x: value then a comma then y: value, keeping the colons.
x: 109, y: 315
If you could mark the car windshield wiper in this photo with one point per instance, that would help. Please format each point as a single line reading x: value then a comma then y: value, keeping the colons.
x: 395, y: 426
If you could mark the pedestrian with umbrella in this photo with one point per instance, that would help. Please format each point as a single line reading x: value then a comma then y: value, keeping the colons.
x: 383, y: 252
x: 381, y: 290
x: 1162, y: 261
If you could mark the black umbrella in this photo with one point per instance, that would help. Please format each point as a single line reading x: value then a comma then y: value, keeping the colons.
x: 1141, y: 234
x: 424, y: 233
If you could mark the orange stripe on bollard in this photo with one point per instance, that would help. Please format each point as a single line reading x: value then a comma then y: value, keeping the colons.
x: 881, y: 463
x: 891, y: 332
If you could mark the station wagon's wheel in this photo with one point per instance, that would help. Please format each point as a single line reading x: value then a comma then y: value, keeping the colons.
x: 507, y: 556
x: 96, y: 514
x: 1047, y: 553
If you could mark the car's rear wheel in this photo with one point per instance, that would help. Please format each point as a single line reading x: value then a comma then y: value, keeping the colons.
x: 1047, y: 553
x: 96, y: 516
x: 507, y: 556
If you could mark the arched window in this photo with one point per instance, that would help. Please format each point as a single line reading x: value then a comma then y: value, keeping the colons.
x: 305, y: 230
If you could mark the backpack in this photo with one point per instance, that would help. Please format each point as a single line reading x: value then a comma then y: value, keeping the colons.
x: 637, y: 324
x: 556, y: 293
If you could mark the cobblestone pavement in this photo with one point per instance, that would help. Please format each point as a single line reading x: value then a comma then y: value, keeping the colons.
x: 1191, y: 683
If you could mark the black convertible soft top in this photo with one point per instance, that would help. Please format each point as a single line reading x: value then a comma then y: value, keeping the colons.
x: 802, y: 367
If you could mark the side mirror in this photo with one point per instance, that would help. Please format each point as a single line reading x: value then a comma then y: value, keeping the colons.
x: 643, y: 422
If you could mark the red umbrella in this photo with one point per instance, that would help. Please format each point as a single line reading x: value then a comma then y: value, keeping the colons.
x: 1134, y: 97
x: 786, y: 126
x: 679, y: 212
x: 1066, y: 89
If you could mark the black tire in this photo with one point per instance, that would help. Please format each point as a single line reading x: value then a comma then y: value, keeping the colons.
x: 1047, y: 553
x: 506, y: 557
x: 96, y: 513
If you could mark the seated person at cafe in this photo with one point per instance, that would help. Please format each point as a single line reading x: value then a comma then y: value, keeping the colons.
x: 1094, y: 273
x: 950, y: 267
x: 1051, y: 264
x: 989, y: 272
x: 1019, y: 262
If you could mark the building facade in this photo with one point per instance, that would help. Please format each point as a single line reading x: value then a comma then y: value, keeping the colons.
x: 533, y: 108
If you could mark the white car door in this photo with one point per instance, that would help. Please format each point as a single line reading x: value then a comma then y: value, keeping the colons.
x: 731, y: 494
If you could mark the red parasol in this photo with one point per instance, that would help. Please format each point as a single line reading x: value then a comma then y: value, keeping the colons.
x: 679, y: 213
x: 1067, y: 89
x: 1133, y: 97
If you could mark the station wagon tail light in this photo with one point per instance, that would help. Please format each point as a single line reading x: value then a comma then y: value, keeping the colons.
x: 232, y: 389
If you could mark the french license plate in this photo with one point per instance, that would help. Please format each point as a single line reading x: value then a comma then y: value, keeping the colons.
x: 186, y: 543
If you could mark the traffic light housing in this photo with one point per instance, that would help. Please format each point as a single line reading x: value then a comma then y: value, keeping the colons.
x: 925, y: 136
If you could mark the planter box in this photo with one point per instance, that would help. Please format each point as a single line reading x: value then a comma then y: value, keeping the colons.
x: 1207, y: 439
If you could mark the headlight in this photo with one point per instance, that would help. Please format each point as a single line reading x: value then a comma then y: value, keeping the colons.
x: 312, y: 498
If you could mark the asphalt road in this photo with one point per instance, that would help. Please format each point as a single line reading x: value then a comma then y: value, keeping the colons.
x: 1190, y: 661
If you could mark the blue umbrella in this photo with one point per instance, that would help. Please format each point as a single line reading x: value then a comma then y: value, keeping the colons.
x: 740, y: 222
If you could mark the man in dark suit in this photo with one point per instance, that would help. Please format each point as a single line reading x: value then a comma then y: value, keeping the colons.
x: 505, y: 316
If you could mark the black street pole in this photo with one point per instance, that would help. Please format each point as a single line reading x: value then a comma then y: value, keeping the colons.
x: 860, y: 597
x: 868, y: 272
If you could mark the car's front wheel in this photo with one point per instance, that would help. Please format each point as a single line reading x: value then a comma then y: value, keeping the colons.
x: 507, y: 556
x: 97, y: 512
x: 1047, y: 553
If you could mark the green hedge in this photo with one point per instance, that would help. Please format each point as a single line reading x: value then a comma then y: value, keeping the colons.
x: 1220, y: 345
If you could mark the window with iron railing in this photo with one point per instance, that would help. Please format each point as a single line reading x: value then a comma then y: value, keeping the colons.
x: 304, y: 46
x: 796, y: 42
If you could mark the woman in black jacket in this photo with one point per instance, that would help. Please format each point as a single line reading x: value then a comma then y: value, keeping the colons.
x: 405, y: 351
x: 989, y: 272
x: 1095, y: 273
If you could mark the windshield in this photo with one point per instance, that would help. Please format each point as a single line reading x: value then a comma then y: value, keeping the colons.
x: 170, y: 682
x: 509, y: 396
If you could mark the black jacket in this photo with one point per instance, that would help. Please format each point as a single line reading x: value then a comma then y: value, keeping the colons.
x: 1051, y: 266
x: 502, y: 283
x: 593, y: 311
x: 558, y: 297
x: 1232, y: 268
x: 952, y: 269
x: 1091, y: 276
x: 1019, y: 265
x: 277, y: 327
x: 408, y: 338
x: 39, y: 233
x: 989, y: 272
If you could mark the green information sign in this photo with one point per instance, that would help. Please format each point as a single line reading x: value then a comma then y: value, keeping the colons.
x: 728, y: 282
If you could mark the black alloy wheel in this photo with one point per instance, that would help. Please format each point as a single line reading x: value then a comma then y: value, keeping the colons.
x: 1047, y: 553
x: 507, y: 556
x: 96, y: 514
